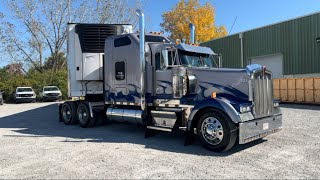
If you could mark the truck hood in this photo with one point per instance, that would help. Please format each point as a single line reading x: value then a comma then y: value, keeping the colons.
x: 225, y: 82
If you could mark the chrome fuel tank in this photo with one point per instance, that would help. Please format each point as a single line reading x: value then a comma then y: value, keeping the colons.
x: 125, y: 115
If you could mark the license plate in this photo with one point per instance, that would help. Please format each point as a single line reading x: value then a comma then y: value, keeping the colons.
x: 265, y: 126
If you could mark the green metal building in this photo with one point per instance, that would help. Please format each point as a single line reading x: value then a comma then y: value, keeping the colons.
x: 289, y: 49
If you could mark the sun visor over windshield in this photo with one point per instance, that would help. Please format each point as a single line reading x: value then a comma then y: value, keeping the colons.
x: 196, y: 49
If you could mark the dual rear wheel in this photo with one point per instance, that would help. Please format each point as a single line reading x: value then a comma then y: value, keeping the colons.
x: 73, y: 113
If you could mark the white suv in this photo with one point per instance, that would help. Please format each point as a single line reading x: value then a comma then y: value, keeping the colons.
x: 50, y: 93
x: 24, y: 94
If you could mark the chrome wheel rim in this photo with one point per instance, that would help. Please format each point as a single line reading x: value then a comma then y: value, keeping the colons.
x: 83, y: 115
x: 212, y: 130
x: 66, y: 113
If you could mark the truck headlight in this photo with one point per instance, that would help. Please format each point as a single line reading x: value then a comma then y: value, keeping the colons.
x: 275, y: 104
x: 244, y: 109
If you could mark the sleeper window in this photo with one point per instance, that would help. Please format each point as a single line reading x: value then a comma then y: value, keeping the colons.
x: 122, y: 41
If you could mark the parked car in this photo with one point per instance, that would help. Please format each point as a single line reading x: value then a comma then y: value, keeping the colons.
x: 1, y: 97
x: 50, y: 93
x: 24, y: 94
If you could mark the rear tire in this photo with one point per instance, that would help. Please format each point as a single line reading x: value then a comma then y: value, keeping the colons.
x: 83, y: 114
x: 216, y: 131
x: 69, y: 113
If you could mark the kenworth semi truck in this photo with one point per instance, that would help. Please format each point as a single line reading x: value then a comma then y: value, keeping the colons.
x: 144, y: 78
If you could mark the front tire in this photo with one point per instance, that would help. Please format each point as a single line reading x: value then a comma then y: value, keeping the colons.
x: 216, y: 131
x: 83, y: 114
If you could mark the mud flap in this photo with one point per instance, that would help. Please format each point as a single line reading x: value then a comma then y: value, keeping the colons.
x: 60, y: 118
x: 189, y: 139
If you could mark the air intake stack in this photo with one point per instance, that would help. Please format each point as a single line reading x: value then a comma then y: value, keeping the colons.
x: 142, y: 58
x: 192, y: 33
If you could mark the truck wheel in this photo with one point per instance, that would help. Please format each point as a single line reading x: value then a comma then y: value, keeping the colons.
x: 68, y: 113
x: 216, y: 131
x: 83, y: 114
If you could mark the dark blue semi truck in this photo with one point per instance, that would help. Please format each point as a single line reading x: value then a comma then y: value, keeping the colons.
x: 144, y: 78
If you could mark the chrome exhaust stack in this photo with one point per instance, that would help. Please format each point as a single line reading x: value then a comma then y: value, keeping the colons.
x: 142, y: 57
x: 192, y: 33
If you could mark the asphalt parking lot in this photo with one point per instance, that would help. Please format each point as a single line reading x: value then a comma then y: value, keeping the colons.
x: 35, y: 145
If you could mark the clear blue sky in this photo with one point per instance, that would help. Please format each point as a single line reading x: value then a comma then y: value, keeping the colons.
x: 250, y: 13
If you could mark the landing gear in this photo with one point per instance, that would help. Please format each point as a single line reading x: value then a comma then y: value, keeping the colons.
x: 216, y: 131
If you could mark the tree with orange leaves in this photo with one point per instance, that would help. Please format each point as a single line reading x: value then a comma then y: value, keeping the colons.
x: 178, y: 19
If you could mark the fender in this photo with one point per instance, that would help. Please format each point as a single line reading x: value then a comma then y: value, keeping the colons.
x: 218, y: 103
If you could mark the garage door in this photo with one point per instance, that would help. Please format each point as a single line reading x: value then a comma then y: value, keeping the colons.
x: 273, y: 63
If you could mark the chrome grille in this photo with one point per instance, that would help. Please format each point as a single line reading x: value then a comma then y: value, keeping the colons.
x: 263, y: 95
x: 24, y: 95
x: 53, y: 94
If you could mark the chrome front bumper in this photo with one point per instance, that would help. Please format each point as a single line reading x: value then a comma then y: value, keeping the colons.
x: 259, y: 128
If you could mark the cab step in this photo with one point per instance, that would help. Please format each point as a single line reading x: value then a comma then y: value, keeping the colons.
x: 159, y: 128
x: 163, y: 118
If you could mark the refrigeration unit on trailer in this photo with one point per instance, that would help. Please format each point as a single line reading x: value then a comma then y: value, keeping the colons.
x: 144, y: 78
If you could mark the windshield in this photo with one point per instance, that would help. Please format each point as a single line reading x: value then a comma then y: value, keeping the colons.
x: 192, y: 59
x: 24, y: 90
x: 50, y: 89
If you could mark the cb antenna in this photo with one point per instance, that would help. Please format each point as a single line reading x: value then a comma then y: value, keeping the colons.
x: 235, y: 19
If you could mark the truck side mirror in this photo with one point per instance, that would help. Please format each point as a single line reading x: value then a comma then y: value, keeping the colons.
x: 164, y: 62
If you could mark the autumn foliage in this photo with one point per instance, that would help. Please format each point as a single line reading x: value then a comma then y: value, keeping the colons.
x: 177, y: 21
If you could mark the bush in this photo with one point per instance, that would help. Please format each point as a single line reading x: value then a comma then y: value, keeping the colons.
x: 34, y: 79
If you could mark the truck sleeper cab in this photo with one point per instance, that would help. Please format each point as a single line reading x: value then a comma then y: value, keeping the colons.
x: 169, y: 87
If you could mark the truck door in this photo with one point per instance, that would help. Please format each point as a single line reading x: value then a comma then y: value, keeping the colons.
x: 163, y: 77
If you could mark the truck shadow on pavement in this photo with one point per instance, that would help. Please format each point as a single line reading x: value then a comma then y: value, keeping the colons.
x: 44, y: 122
